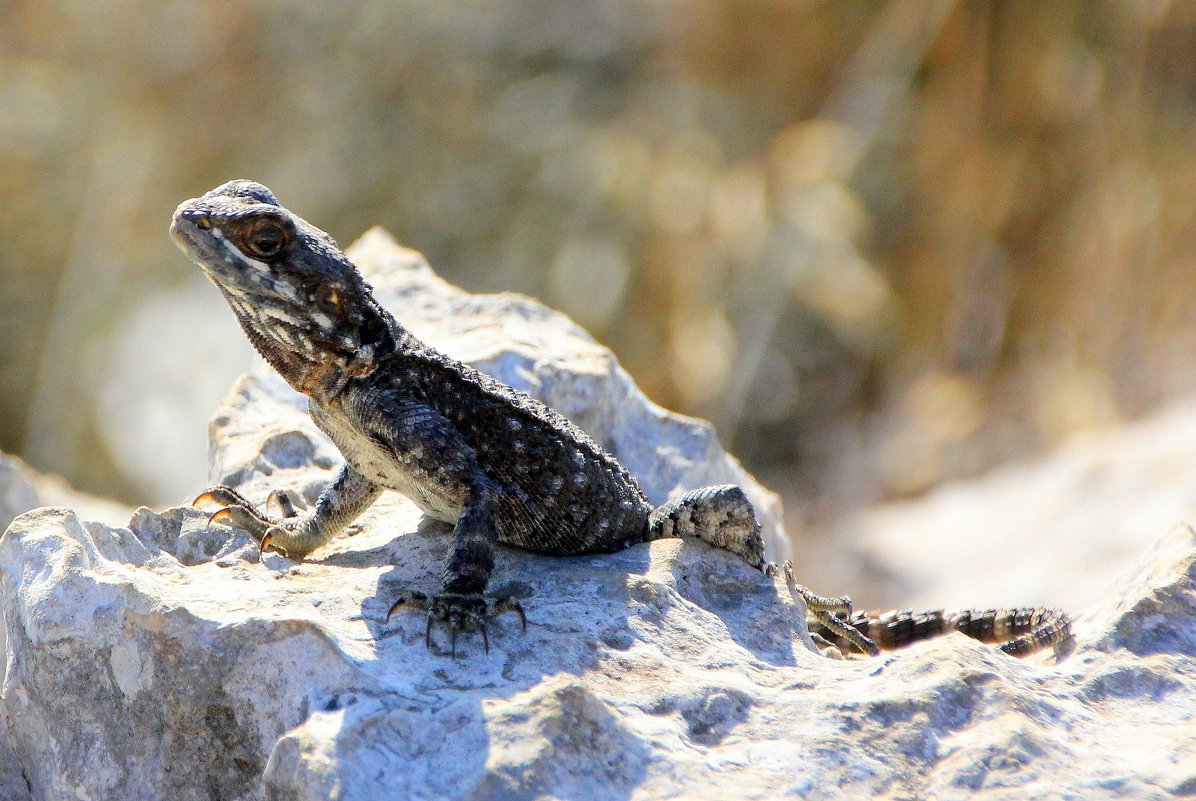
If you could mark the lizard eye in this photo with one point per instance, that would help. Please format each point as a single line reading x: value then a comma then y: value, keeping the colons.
x: 266, y: 237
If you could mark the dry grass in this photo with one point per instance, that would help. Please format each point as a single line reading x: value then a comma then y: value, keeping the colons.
x: 880, y: 245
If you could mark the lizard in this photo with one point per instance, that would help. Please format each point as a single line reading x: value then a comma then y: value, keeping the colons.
x: 493, y: 462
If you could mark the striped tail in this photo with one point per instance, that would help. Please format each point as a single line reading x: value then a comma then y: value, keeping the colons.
x: 1019, y: 632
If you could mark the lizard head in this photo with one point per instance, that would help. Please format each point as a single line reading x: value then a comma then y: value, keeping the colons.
x: 299, y: 299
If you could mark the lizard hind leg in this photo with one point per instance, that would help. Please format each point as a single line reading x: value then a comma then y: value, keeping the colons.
x: 721, y: 515
x: 830, y: 615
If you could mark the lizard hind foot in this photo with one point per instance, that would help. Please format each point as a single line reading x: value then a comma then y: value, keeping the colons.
x: 831, y: 612
x: 460, y: 612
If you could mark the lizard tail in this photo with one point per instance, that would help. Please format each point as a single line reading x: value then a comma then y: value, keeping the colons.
x: 723, y: 516
x: 720, y: 515
x: 1018, y: 631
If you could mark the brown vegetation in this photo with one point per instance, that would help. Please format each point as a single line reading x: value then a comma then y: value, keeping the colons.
x: 878, y: 244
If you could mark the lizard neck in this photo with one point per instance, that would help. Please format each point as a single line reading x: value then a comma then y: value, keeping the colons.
x: 319, y: 369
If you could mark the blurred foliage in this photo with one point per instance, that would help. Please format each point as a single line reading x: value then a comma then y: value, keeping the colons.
x: 880, y: 245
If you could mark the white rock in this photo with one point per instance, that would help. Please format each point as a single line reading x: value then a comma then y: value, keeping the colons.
x: 663, y: 667
x: 164, y: 660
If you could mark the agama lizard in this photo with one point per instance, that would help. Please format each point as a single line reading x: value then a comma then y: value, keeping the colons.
x: 496, y: 464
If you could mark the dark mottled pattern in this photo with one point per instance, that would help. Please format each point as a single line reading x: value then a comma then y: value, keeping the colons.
x: 469, y: 450
x: 1018, y: 631
x: 722, y: 516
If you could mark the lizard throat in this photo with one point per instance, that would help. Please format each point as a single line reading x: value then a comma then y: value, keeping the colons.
x: 311, y: 368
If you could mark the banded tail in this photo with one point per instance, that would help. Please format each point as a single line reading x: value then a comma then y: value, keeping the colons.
x: 723, y: 516
x: 1018, y: 632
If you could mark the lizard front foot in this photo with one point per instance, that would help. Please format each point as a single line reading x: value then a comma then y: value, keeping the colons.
x: 459, y: 611
x: 235, y: 509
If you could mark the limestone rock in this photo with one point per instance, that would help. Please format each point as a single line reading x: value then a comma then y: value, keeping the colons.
x: 163, y: 659
x: 132, y: 674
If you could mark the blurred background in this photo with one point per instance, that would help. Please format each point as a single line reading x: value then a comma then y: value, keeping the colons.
x: 879, y: 245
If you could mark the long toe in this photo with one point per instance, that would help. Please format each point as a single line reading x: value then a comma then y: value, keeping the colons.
x: 415, y: 600
x: 244, y: 517
x: 220, y: 494
x: 220, y: 515
x: 508, y: 604
x: 270, y: 540
x: 284, y: 502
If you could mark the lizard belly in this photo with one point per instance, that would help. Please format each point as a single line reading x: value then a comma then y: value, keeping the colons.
x: 391, y: 470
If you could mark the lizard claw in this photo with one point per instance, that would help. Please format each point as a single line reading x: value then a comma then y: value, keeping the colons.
x: 416, y: 600
x: 207, y: 496
x: 220, y: 515
x: 508, y: 604
x: 237, y: 511
x: 268, y: 542
x: 284, y: 502
x: 221, y: 494
x: 460, y: 612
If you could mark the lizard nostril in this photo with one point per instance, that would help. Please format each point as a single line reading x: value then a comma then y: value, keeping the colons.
x: 201, y: 219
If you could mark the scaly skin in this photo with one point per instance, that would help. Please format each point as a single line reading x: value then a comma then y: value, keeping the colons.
x: 467, y: 449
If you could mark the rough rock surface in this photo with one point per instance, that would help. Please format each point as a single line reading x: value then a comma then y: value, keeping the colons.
x: 164, y: 660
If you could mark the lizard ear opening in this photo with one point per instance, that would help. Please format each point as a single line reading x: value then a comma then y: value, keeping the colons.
x: 375, y: 334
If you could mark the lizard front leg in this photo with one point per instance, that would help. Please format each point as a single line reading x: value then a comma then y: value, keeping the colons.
x: 431, y: 455
x: 460, y: 603
x: 349, y: 494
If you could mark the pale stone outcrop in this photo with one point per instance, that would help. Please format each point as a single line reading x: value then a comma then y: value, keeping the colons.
x: 163, y: 659
x: 1058, y: 529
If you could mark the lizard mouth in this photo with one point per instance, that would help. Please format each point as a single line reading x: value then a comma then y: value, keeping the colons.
x: 192, y: 230
x: 178, y: 223
x: 186, y: 227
